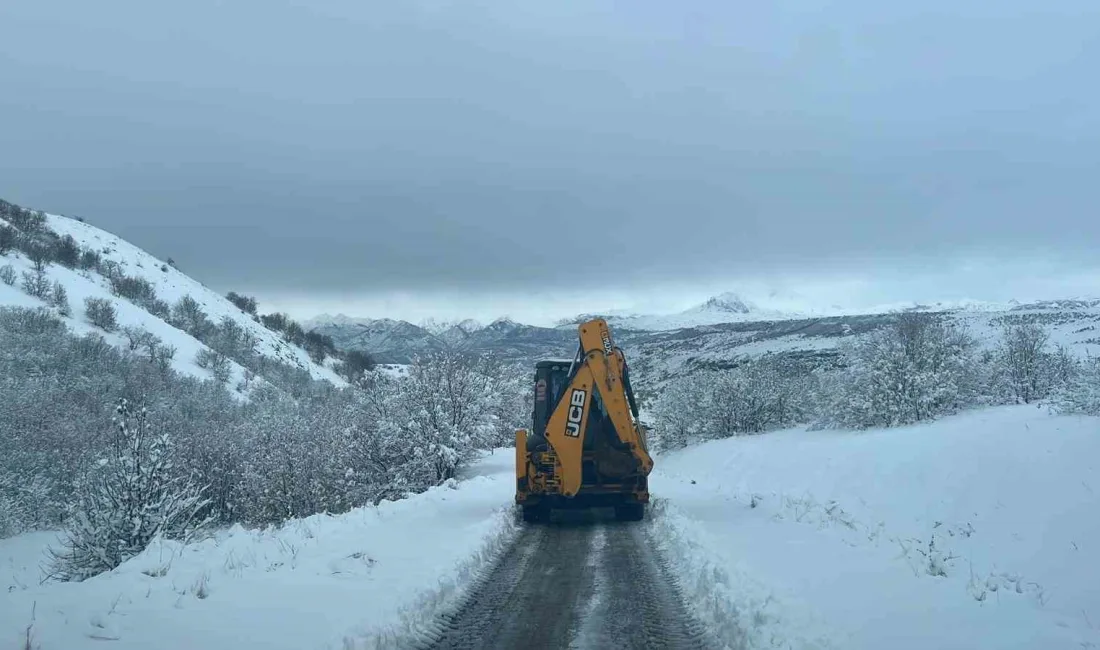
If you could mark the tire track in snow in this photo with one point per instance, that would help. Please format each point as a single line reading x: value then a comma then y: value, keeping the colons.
x: 637, y: 603
x: 591, y: 584
x: 529, y: 599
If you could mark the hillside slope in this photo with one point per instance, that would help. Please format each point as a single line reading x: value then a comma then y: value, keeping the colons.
x: 170, y: 285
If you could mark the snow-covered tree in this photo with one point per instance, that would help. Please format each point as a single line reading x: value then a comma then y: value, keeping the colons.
x: 680, y: 411
x: 446, y: 407
x: 921, y: 367
x: 1026, y: 367
x: 1082, y: 392
x: 7, y: 275
x: 131, y: 495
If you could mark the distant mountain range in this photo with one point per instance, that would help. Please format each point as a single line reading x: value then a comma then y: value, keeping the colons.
x: 717, y: 333
x: 396, y: 341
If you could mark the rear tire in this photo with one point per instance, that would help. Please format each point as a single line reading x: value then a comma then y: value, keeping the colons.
x: 630, y: 511
x: 534, y: 514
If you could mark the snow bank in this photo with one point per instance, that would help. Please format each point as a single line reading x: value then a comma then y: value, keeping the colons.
x: 343, y: 581
x: 977, y: 531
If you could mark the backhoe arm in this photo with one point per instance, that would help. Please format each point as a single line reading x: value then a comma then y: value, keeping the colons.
x: 600, y: 367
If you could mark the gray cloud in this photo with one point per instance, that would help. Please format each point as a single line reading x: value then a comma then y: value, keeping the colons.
x: 495, y: 146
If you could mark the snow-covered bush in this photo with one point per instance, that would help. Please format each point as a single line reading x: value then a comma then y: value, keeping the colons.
x: 9, y: 237
x: 294, y: 333
x: 188, y: 315
x: 22, y: 218
x: 1081, y: 394
x: 296, y: 447
x: 758, y: 395
x: 244, y: 303
x: 36, y: 283
x: 59, y: 298
x: 318, y: 346
x: 90, y: 259
x: 161, y: 355
x: 33, y: 322
x: 137, y: 337
x: 132, y: 494
x: 679, y: 411
x: 1025, y: 366
x: 66, y: 251
x: 355, y: 363
x: 27, y: 502
x: 233, y: 340
x: 214, y: 361
x: 136, y: 289
x: 7, y: 275
x: 445, y: 405
x: 101, y: 313
x: 919, y: 368
x: 275, y: 322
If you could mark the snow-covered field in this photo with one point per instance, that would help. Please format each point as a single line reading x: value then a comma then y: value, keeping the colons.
x: 321, y: 582
x: 976, y: 531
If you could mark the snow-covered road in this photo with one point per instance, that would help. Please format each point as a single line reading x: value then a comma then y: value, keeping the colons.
x: 586, y: 582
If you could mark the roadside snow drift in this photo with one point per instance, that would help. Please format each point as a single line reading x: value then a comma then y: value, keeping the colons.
x: 977, y: 531
x: 321, y: 582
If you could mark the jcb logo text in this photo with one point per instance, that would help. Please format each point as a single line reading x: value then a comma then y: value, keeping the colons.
x: 576, y: 412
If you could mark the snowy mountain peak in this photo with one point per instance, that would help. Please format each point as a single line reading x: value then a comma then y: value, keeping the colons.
x: 503, y: 323
x: 445, y: 327
x: 728, y: 302
x: 335, y: 319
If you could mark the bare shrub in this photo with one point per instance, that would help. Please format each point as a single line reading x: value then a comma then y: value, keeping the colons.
x: 101, y: 313
x: 214, y: 361
x: 35, y: 283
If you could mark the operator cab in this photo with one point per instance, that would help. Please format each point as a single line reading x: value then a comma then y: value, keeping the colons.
x: 551, y: 380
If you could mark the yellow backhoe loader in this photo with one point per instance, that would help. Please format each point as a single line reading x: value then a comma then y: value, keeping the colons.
x: 587, y: 448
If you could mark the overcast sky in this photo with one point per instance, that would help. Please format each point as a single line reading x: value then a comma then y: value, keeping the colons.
x: 481, y: 157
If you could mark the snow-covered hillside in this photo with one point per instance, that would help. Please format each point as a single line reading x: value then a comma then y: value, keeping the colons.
x: 1074, y: 324
x: 975, y: 531
x: 170, y: 285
